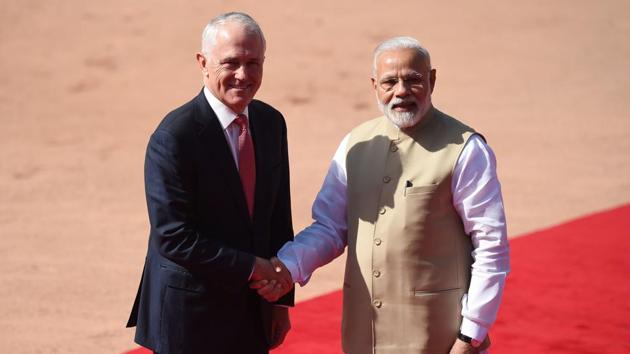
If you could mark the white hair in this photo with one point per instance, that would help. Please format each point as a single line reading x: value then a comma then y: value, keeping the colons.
x: 402, y: 42
x: 209, y: 35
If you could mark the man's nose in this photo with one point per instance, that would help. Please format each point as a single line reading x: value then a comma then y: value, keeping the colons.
x: 241, y: 73
x: 401, y: 89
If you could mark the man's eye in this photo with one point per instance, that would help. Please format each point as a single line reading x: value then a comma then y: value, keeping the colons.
x: 230, y: 64
x: 253, y: 65
x: 386, y: 84
x: 414, y: 81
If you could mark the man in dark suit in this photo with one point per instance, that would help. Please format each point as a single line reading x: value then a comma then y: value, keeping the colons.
x: 217, y: 188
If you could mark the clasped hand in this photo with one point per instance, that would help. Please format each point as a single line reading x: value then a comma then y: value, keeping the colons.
x: 271, y: 279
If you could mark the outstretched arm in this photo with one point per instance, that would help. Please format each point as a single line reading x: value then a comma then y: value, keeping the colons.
x: 326, y: 238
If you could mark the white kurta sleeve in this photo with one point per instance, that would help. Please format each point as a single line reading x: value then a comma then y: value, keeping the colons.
x: 477, y: 198
x: 326, y: 238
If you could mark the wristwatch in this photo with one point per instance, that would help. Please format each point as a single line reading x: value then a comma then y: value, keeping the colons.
x: 472, y: 341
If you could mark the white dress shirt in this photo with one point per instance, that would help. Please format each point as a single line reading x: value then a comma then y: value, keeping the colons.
x: 477, y: 199
x: 226, y: 117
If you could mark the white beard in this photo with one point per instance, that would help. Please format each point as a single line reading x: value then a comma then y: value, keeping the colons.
x: 405, y: 120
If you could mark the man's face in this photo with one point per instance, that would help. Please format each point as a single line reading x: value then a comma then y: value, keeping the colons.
x: 404, y: 82
x: 233, y: 69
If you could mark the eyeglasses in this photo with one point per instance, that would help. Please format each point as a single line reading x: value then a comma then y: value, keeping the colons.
x: 412, y: 81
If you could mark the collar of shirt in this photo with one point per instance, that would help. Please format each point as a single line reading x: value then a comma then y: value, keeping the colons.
x: 224, y: 113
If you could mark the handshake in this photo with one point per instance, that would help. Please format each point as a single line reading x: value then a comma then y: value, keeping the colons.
x: 271, y: 279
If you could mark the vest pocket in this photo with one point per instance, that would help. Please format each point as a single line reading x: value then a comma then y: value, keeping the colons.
x: 421, y: 293
x: 426, y: 189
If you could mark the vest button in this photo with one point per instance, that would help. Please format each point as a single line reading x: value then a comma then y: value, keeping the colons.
x: 377, y: 241
x: 386, y: 179
x: 394, y: 148
x: 382, y: 211
x: 377, y: 304
x: 376, y: 273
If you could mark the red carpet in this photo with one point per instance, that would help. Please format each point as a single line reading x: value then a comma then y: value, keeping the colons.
x: 568, y: 292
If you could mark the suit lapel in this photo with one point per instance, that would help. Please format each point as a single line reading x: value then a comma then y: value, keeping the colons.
x: 212, y: 141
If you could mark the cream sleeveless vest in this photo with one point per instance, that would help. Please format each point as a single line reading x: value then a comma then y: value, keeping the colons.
x: 409, y: 258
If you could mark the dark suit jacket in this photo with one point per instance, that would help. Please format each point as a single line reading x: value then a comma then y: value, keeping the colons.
x: 194, y: 295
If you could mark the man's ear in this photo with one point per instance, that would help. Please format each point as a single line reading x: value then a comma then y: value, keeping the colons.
x: 373, y: 83
x: 201, y: 60
x: 432, y: 77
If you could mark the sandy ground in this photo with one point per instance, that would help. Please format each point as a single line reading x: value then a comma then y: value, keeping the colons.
x: 82, y: 85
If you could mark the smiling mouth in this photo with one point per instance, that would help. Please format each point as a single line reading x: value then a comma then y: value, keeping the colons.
x: 404, y: 106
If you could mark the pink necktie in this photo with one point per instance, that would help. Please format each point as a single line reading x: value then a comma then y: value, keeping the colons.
x: 246, y: 162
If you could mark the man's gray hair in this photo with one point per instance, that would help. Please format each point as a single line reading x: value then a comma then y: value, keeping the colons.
x: 402, y: 42
x: 209, y: 35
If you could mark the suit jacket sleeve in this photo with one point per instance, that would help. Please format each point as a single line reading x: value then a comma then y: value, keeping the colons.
x: 282, y: 226
x: 168, y: 183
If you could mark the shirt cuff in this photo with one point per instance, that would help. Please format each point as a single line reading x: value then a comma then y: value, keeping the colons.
x: 473, y: 330
x: 291, y: 267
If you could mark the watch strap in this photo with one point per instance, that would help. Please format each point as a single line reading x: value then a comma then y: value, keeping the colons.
x: 472, y: 341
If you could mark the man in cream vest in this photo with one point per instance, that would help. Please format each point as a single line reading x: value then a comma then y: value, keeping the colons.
x: 415, y: 197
